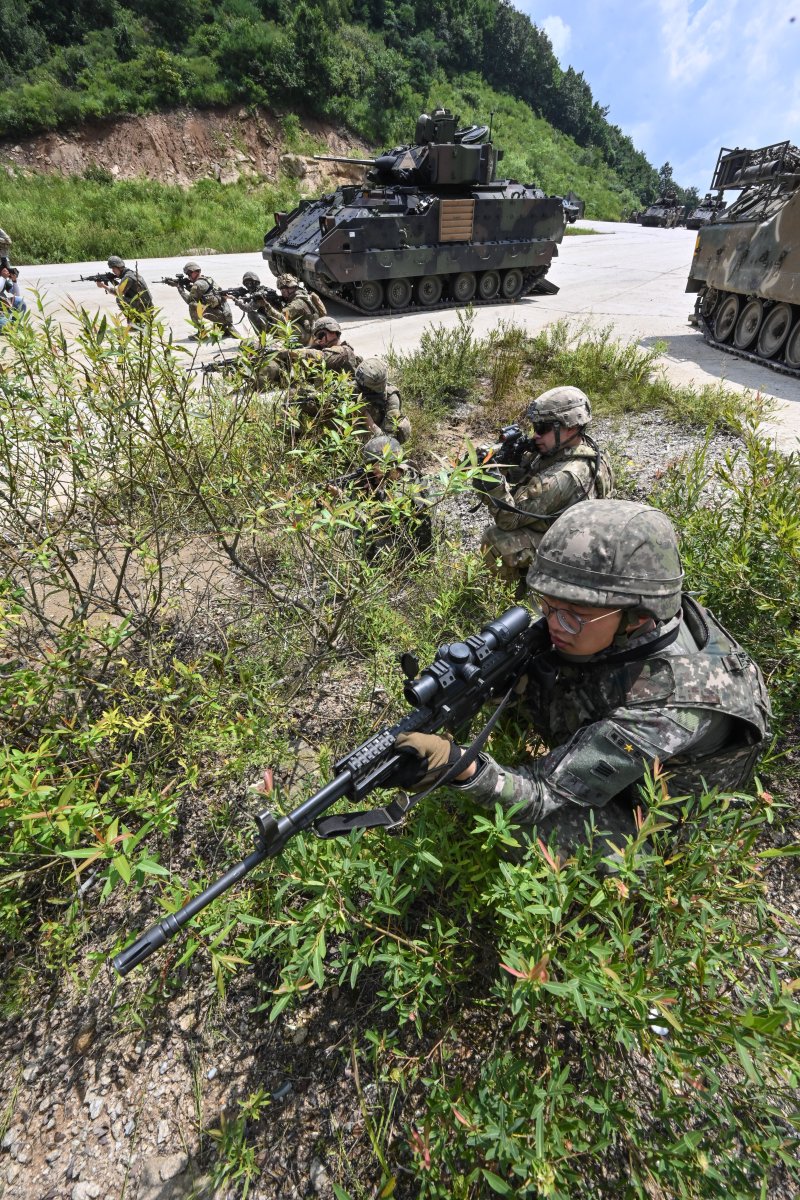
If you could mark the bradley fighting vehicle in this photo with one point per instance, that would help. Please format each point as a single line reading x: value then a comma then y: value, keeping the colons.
x: 430, y: 226
x: 746, y: 264
x: 708, y: 208
x: 665, y: 213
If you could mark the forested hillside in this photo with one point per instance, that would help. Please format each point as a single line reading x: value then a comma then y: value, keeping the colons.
x: 370, y: 64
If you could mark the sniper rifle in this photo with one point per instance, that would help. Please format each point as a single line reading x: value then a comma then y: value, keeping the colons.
x: 446, y: 695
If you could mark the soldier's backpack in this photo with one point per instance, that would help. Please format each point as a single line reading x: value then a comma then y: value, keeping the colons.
x: 318, y: 304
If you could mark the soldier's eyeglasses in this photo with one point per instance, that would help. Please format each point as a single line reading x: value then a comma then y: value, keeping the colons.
x: 542, y: 427
x: 570, y: 622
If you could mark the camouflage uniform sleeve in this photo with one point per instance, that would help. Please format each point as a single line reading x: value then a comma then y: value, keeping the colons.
x: 547, y: 492
x: 597, y: 763
x: 200, y: 292
x: 392, y: 412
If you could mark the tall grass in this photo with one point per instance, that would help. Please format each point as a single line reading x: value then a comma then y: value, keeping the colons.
x: 53, y: 219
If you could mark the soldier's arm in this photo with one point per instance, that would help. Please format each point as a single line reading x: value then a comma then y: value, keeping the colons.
x: 544, y: 495
x: 600, y: 761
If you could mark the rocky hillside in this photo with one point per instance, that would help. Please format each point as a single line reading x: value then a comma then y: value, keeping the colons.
x: 188, y: 145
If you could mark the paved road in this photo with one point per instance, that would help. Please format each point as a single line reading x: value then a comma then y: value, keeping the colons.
x: 626, y: 276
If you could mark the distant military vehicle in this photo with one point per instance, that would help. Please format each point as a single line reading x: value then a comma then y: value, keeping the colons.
x: 665, y: 213
x: 430, y: 226
x: 574, y: 208
x: 746, y: 264
x: 707, y: 210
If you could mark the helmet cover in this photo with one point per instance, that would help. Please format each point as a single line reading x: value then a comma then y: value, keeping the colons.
x: 611, y: 554
x: 565, y: 406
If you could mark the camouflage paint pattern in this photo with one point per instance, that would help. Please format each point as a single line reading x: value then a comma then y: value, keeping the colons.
x: 753, y: 248
x: 665, y: 213
x: 709, y: 208
x: 389, y: 229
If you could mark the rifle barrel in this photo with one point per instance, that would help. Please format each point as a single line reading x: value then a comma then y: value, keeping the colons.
x: 273, y: 836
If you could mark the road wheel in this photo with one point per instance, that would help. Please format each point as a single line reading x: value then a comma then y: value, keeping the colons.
x: 398, y: 293
x: 792, y: 353
x: 489, y: 285
x: 775, y: 330
x: 369, y: 295
x: 709, y: 302
x: 748, y: 325
x: 429, y: 290
x: 462, y: 289
x: 727, y: 315
x: 512, y: 283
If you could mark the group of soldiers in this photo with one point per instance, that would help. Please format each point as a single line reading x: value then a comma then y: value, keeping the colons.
x: 634, y: 673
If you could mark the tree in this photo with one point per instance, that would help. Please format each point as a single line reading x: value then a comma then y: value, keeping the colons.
x: 665, y: 181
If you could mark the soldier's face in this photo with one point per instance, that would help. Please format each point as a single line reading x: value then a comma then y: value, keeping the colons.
x: 597, y: 632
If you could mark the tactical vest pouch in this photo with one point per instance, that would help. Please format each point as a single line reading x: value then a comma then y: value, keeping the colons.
x: 729, y: 770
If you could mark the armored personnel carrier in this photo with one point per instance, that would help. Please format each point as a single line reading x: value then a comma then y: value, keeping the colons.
x: 666, y: 213
x: 746, y: 264
x: 430, y: 226
x: 708, y: 208
x: 574, y: 208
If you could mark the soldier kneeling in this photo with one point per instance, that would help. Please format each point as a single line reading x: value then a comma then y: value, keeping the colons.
x: 560, y: 466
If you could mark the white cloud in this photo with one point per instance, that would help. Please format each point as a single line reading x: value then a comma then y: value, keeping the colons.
x: 559, y: 33
x: 695, y: 41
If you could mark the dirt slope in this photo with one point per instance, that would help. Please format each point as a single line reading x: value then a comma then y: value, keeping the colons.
x: 184, y: 146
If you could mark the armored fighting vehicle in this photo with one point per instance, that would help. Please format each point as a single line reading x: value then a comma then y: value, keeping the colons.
x: 431, y: 225
x: 746, y: 264
x: 708, y: 208
x: 574, y: 208
x: 666, y: 213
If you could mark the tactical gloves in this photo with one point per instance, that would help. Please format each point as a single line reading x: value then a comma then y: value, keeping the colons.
x: 425, y: 756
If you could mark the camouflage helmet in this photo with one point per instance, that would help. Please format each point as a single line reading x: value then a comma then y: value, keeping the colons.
x: 372, y: 375
x: 566, y: 406
x: 611, y: 554
x: 382, y: 449
x: 191, y: 265
x: 116, y: 261
x: 286, y: 282
x: 326, y: 325
x: 251, y: 277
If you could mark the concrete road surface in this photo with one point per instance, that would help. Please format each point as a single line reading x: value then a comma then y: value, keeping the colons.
x: 626, y: 276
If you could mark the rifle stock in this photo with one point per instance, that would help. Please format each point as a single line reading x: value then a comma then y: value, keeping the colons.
x: 445, y: 695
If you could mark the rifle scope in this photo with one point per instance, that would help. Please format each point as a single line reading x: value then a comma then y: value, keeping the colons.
x: 461, y: 660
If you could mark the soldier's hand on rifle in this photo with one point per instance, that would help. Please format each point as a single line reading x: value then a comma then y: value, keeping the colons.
x: 489, y: 479
x: 427, y: 756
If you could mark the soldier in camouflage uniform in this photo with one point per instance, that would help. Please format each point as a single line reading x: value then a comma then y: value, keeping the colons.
x: 131, y: 292
x: 298, y: 308
x: 525, y: 499
x: 256, y: 303
x: 326, y: 343
x: 397, y: 509
x: 206, y: 302
x: 636, y: 672
x: 382, y: 407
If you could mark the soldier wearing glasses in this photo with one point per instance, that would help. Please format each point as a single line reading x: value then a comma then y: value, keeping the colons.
x: 636, y: 672
x: 524, y: 499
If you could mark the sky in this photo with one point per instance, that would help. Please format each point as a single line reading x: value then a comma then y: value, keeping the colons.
x: 684, y: 77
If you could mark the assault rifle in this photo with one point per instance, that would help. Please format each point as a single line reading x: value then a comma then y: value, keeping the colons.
x: 175, y: 280
x: 104, y: 277
x: 236, y: 293
x: 445, y: 695
x: 513, y: 446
